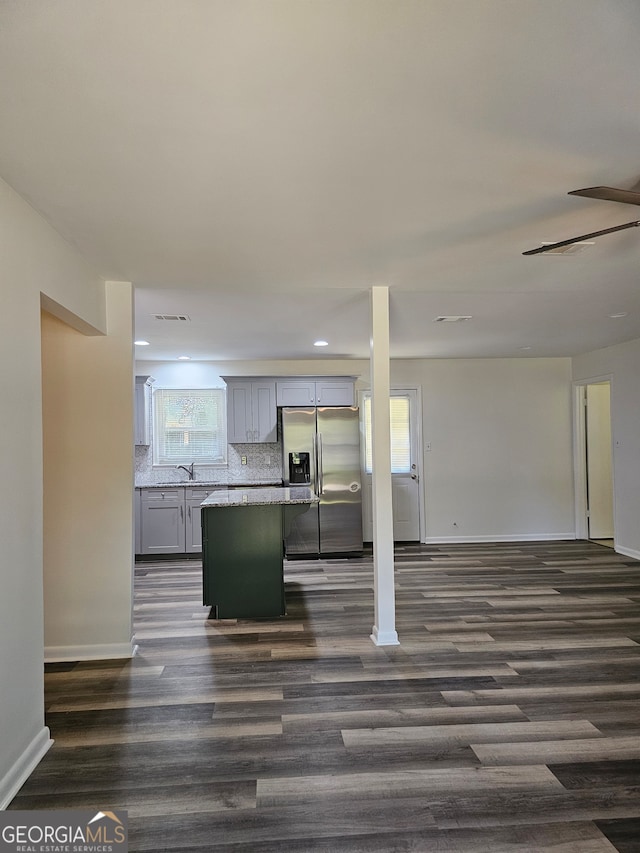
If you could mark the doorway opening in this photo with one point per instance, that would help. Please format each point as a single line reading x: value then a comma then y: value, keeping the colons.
x: 594, y: 462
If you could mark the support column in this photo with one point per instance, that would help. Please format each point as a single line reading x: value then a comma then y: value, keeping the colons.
x: 384, y: 629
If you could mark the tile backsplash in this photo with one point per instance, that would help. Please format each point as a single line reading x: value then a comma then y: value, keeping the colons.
x: 264, y: 465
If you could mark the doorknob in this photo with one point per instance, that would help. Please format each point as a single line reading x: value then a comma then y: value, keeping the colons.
x: 414, y: 477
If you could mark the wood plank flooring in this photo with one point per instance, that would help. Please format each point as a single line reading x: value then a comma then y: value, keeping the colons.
x: 507, y: 720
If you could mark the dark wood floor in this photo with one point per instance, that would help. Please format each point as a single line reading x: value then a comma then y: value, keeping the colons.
x: 508, y: 719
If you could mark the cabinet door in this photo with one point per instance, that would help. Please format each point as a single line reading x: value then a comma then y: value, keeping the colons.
x: 142, y: 411
x: 137, y: 522
x: 338, y: 392
x: 295, y: 392
x: 193, y: 524
x: 265, y: 417
x: 162, y: 521
x: 193, y: 529
x: 239, y: 418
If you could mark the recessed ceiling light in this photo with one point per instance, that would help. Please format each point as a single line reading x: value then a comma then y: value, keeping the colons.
x: 141, y: 343
x: 184, y: 358
x: 452, y: 318
x: 620, y: 314
x: 321, y: 343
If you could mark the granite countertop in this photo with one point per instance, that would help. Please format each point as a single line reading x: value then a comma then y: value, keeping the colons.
x: 261, y: 497
x: 209, y: 484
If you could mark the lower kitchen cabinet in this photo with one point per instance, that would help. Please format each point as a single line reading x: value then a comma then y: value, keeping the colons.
x: 193, y: 523
x: 137, y: 526
x: 170, y: 520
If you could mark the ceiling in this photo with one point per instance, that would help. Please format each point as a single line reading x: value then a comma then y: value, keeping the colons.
x: 258, y: 165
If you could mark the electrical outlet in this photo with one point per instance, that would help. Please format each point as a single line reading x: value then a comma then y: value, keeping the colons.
x: 243, y: 460
x: 267, y: 460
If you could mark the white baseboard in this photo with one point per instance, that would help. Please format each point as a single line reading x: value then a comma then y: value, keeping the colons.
x: 100, y: 651
x: 516, y: 537
x: 628, y: 552
x: 384, y: 638
x: 12, y: 781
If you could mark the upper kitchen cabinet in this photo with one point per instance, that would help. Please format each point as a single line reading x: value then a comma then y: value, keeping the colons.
x: 251, y: 411
x: 142, y: 410
x: 338, y: 391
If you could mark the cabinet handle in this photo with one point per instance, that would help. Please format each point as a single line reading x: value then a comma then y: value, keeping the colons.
x: 181, y: 513
x: 189, y: 512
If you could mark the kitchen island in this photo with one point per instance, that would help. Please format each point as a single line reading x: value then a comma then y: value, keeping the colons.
x: 242, y: 549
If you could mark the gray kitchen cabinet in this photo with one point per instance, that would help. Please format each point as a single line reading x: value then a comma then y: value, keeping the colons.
x: 162, y: 521
x: 137, y: 525
x: 296, y: 392
x: 251, y: 411
x: 168, y: 520
x: 327, y: 391
x: 193, y: 497
x: 142, y: 411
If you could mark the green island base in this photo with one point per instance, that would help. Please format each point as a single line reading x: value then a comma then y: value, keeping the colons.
x: 243, y: 559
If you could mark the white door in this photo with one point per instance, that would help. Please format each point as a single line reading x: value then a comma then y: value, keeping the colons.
x: 405, y: 473
x: 599, y: 462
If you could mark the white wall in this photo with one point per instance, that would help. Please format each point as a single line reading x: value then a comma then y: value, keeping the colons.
x: 501, y: 463
x: 88, y: 473
x: 34, y: 260
x: 622, y: 363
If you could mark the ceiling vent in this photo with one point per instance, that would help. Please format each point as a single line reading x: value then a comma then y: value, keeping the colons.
x: 184, y: 317
x: 572, y: 249
x: 452, y: 318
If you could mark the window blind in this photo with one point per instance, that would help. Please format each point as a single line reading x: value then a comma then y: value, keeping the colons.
x: 399, y: 410
x: 189, y: 426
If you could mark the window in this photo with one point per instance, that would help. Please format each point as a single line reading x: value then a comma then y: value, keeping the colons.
x: 399, y: 408
x: 189, y: 426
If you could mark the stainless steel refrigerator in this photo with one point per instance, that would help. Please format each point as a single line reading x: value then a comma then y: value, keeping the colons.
x: 321, y: 447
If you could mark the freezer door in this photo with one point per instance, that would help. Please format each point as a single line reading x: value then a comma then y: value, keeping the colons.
x: 299, y: 436
x: 339, y: 484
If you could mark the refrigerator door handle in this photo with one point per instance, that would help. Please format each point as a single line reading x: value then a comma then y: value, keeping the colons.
x: 314, y: 464
x: 320, y: 469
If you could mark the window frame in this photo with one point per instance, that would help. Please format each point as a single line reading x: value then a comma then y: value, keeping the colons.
x: 215, y: 396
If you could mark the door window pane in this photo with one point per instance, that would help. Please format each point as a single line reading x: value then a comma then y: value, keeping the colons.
x: 399, y: 409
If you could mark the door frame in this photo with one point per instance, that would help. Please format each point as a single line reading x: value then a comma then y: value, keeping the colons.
x: 418, y: 415
x: 580, y: 455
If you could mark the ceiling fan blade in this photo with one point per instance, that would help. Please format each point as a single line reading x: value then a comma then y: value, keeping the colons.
x: 582, y: 237
x: 609, y: 194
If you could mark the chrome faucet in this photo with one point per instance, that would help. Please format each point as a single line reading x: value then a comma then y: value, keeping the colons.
x: 189, y: 470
